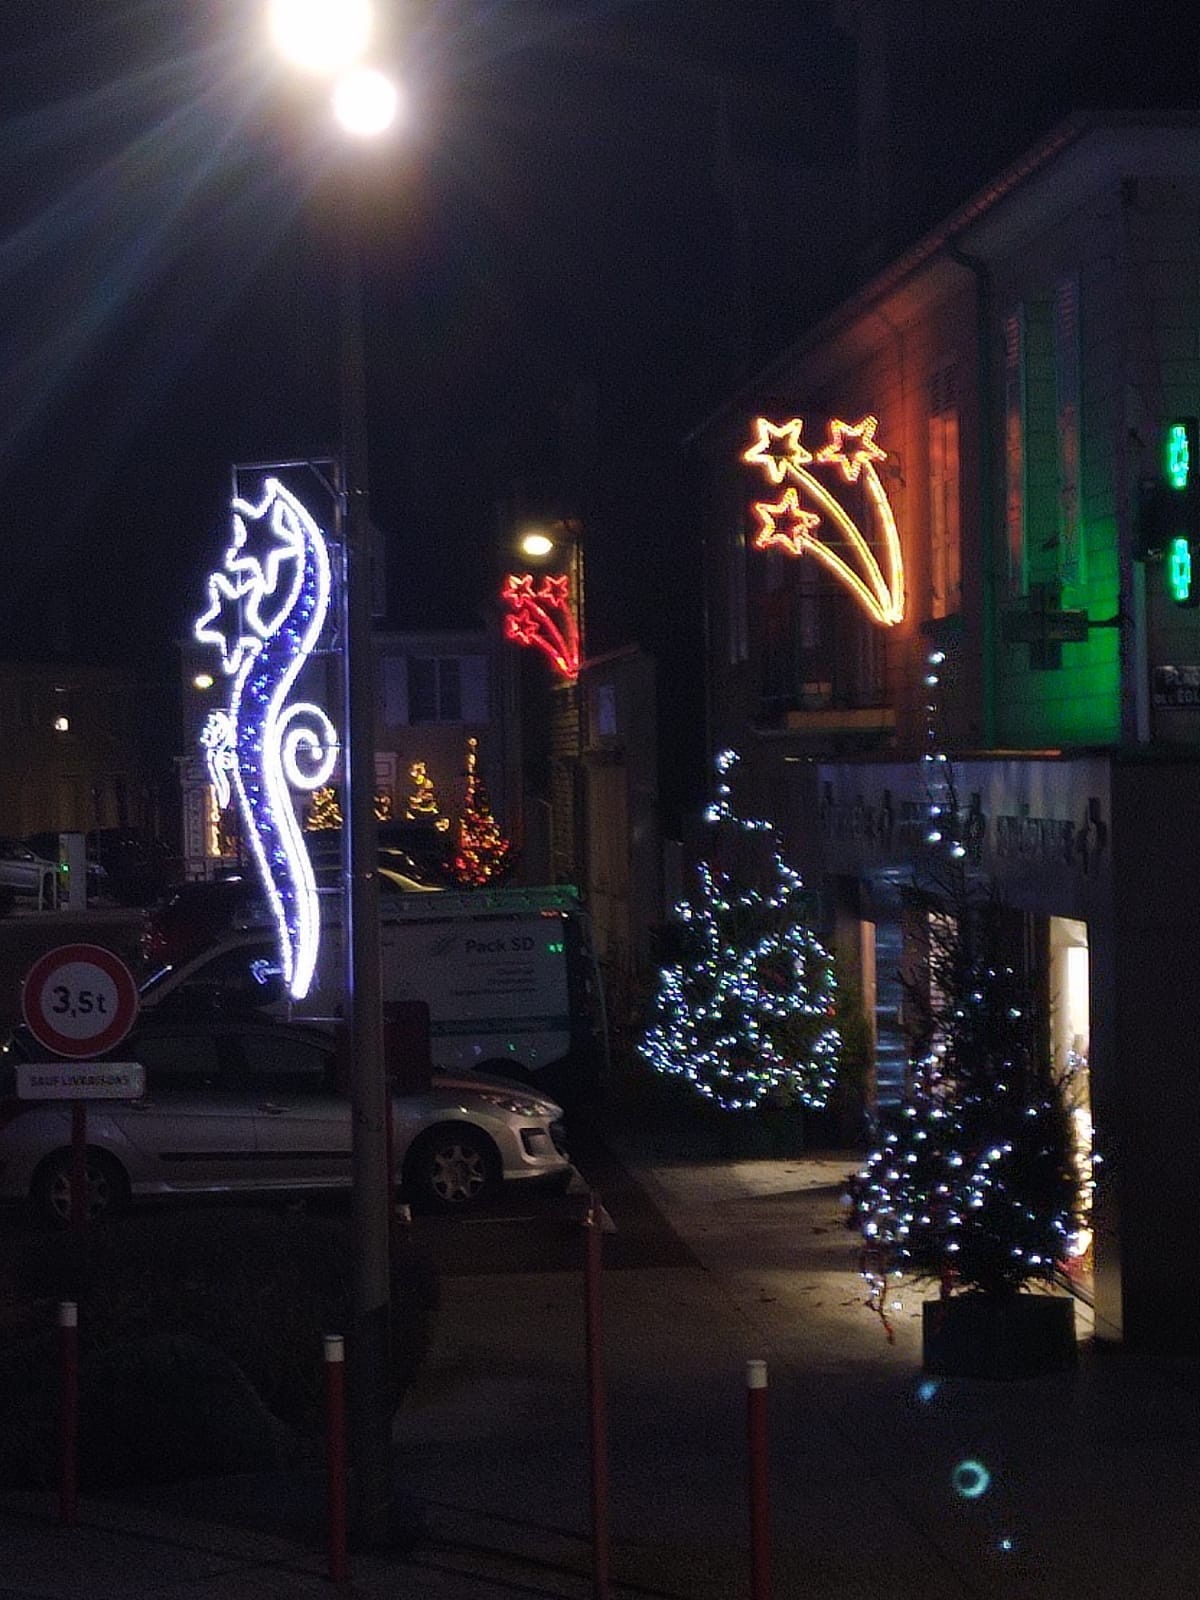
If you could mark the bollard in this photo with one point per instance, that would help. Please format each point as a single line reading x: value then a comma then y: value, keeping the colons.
x: 335, y: 1452
x: 68, y: 1487
x: 756, y: 1439
x: 594, y: 1235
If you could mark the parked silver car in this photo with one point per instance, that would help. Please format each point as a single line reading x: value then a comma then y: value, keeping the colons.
x: 245, y: 1106
x: 26, y: 874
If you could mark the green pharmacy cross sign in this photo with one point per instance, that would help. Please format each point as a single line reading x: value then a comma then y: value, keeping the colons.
x: 1181, y: 580
x: 1183, y: 544
x: 1178, y: 463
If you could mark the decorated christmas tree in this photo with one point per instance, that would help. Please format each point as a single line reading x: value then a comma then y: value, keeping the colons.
x: 423, y: 802
x: 972, y: 1184
x: 746, y: 1015
x: 323, y: 810
x: 483, y: 855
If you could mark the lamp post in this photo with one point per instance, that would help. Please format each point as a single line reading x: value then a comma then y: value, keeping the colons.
x: 330, y: 36
x: 558, y: 546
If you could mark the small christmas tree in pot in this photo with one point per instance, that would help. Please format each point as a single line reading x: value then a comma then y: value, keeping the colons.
x: 745, y: 1017
x: 972, y: 1185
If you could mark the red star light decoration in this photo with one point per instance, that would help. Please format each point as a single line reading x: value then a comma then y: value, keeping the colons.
x: 543, y: 615
x: 871, y: 568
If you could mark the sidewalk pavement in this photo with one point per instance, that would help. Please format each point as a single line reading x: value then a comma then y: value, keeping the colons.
x: 1088, y: 1480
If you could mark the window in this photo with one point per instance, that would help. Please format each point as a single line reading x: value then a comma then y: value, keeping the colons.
x: 245, y: 979
x: 1071, y: 566
x: 436, y: 689
x: 175, y: 1063
x: 739, y: 630
x: 944, y: 514
x: 28, y: 707
x: 280, y: 1065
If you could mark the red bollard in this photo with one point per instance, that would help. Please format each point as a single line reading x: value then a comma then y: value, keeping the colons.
x: 596, y: 1404
x: 756, y: 1439
x: 335, y: 1452
x: 68, y: 1484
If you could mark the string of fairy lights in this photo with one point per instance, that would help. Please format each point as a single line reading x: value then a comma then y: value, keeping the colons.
x: 939, y: 770
x: 973, y: 1186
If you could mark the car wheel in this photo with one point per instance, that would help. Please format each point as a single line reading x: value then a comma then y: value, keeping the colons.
x: 107, y: 1187
x: 452, y: 1168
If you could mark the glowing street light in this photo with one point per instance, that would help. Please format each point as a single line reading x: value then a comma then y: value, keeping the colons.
x: 321, y: 36
x: 365, y: 102
x: 536, y: 545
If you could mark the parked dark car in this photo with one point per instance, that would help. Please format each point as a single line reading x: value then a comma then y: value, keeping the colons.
x: 138, y: 867
x: 193, y: 916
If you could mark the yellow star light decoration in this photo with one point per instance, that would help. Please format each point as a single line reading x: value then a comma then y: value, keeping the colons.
x: 863, y: 434
x: 778, y: 449
x: 873, y: 571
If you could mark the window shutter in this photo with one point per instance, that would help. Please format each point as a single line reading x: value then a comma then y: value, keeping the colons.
x: 395, y: 691
x: 1067, y: 404
x: 1014, y: 448
x: 475, y: 699
x: 944, y: 516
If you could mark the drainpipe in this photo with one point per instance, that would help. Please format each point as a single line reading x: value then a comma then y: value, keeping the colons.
x: 987, y: 499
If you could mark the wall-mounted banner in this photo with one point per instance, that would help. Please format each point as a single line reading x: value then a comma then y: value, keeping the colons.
x: 1174, y: 688
x: 267, y: 605
x: 870, y: 564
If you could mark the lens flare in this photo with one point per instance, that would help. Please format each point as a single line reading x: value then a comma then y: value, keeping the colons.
x: 971, y: 1479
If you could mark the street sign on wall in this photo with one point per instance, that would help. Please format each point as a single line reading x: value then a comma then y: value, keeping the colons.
x: 79, y: 1001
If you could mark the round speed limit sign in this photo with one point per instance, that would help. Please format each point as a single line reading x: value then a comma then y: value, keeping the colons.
x: 79, y: 1000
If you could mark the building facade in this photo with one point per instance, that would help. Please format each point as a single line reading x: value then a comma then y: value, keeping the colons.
x: 435, y: 692
x: 929, y: 584
x: 75, y: 757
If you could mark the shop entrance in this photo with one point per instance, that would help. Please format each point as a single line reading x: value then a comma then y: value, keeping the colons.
x: 1070, y: 1000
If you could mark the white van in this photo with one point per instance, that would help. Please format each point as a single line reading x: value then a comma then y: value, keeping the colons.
x: 509, y: 976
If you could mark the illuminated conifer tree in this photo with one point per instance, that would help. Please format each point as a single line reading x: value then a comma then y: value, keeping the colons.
x: 972, y: 1184
x: 324, y: 810
x: 746, y: 1016
x: 483, y: 854
x: 422, y: 802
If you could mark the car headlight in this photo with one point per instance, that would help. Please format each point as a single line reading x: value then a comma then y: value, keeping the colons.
x: 518, y: 1105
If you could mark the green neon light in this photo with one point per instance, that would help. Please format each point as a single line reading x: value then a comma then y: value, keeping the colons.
x: 1178, y: 456
x: 1179, y: 570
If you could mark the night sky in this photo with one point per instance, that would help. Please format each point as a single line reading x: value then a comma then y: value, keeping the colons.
x: 601, y: 212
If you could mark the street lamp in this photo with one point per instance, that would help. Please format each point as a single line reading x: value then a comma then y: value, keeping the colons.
x: 329, y: 37
x: 558, y: 546
x: 547, y: 611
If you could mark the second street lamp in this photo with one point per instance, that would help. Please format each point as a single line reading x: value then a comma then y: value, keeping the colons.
x: 331, y: 35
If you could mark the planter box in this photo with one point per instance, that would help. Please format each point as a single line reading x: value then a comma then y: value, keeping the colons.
x: 976, y: 1336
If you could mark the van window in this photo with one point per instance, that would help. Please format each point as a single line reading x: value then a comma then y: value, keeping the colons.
x: 176, y: 1063
x: 247, y: 979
